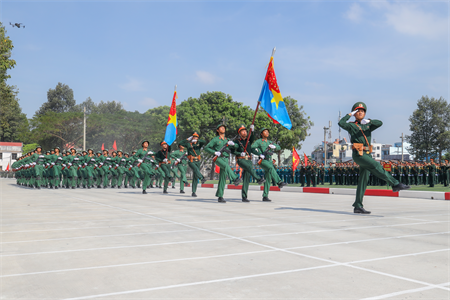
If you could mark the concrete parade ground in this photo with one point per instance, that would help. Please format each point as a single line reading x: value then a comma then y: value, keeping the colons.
x: 120, y: 244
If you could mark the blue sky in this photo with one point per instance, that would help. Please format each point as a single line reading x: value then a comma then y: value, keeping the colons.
x: 329, y: 54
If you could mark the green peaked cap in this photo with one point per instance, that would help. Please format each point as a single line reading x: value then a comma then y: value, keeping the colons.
x: 359, y: 105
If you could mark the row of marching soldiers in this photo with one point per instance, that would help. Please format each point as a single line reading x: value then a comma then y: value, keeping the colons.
x: 69, y: 169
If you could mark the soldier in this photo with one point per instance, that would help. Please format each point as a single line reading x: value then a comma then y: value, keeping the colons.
x: 143, y: 157
x: 180, y: 165
x: 331, y: 171
x: 214, y: 147
x: 244, y: 159
x: 163, y: 157
x: 193, y: 146
x: 431, y: 172
x: 360, y: 132
x: 259, y: 147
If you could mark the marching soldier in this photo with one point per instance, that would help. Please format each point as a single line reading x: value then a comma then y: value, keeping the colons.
x: 264, y: 148
x: 244, y: 159
x: 215, y: 147
x: 180, y: 165
x: 360, y: 132
x: 193, y: 146
x: 163, y: 157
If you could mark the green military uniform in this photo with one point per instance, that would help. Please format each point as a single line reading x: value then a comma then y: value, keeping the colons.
x: 193, y: 146
x: 213, y: 147
x: 163, y: 157
x: 361, y: 134
x: 431, y: 173
x: 258, y: 148
x: 244, y: 160
x: 180, y: 165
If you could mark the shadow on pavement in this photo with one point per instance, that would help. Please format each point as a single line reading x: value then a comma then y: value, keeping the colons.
x: 326, y: 211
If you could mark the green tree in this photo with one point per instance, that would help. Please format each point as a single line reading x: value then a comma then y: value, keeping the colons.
x: 29, y: 147
x: 59, y: 100
x: 58, y: 129
x: 13, y: 123
x: 430, y: 128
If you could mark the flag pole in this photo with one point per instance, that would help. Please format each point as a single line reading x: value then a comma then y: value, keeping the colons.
x: 256, y: 110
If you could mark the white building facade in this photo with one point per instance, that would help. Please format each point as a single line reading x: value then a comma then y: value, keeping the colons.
x: 9, y: 152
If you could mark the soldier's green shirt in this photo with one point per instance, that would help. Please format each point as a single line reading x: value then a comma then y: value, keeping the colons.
x: 355, y: 132
x: 216, y: 144
x: 161, y: 155
x: 261, y: 145
x: 178, y: 154
x: 240, y: 145
x: 193, y: 149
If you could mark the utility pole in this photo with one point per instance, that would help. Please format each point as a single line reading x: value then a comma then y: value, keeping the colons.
x: 325, y: 145
x: 339, y: 127
x: 402, y: 145
x: 84, y: 130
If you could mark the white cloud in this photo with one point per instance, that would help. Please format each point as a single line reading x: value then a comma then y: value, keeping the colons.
x: 206, y: 77
x: 133, y: 85
x: 412, y: 19
x: 355, y: 13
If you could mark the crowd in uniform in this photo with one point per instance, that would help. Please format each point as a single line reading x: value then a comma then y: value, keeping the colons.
x: 145, y: 168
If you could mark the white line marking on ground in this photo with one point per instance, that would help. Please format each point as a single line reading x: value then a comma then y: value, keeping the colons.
x: 406, y: 292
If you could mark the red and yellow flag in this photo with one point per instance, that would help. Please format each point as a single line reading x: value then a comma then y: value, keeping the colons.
x: 295, y: 159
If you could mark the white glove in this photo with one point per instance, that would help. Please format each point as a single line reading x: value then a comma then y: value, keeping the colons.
x: 53, y: 163
x: 123, y: 159
x: 364, y: 121
x: 108, y: 158
x: 70, y: 164
x: 217, y: 154
x: 243, y: 153
x: 272, y: 146
x: 101, y: 164
x: 117, y: 165
x: 150, y: 152
x: 64, y: 165
x: 194, y: 141
x: 131, y: 166
x: 252, y: 127
x: 60, y: 158
x: 178, y: 160
x: 165, y: 160
x: 92, y: 159
x: 41, y: 156
x: 140, y: 160
x: 354, y: 112
x: 262, y: 156
x: 76, y: 158
x: 230, y: 143
x: 190, y: 138
x: 85, y: 164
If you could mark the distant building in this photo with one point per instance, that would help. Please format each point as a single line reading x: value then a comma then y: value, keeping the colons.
x: 9, y: 152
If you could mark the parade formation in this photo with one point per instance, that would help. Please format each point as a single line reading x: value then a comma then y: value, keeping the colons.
x: 145, y: 168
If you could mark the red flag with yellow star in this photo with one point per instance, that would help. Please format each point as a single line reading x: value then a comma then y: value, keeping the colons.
x: 295, y: 159
x: 171, y: 128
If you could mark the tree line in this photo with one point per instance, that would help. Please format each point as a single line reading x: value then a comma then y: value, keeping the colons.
x: 59, y: 121
x: 430, y: 129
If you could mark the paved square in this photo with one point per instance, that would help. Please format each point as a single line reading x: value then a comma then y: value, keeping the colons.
x: 120, y: 244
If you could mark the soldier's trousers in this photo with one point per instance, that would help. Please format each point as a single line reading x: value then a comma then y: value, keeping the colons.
x: 270, y: 174
x: 431, y: 178
x: 182, y: 177
x: 368, y: 165
x: 195, y: 166
x: 248, y: 172
x: 225, y: 171
x: 165, y: 168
